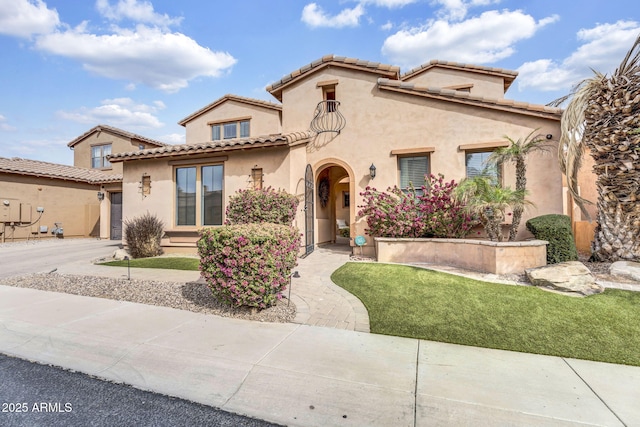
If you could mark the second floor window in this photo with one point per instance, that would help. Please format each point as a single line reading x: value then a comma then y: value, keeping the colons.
x: 230, y: 130
x: 99, y: 155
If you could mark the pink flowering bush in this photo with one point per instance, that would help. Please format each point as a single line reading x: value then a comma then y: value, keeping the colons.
x: 431, y: 211
x: 248, y: 264
x: 264, y: 205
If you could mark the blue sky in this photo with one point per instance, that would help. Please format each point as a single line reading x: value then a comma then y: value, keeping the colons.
x: 142, y: 65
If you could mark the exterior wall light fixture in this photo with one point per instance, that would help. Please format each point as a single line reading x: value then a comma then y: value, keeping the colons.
x: 372, y: 171
x: 100, y: 195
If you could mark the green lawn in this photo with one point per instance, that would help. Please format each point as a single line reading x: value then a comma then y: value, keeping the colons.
x: 171, y: 263
x: 418, y: 303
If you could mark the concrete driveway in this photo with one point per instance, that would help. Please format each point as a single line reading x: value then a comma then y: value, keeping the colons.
x: 41, y: 256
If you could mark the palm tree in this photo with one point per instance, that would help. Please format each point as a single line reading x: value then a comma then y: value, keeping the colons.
x: 489, y: 202
x: 603, y: 116
x: 517, y: 152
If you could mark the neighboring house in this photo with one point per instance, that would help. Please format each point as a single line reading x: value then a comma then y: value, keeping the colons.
x: 91, y: 151
x: 85, y: 200
x: 41, y: 199
x: 342, y: 124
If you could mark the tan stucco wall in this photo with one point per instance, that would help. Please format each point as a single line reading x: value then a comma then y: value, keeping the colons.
x: 161, y: 200
x: 73, y: 204
x: 377, y: 121
x: 380, y: 121
x: 483, y: 84
x: 477, y: 255
x: 82, y: 150
x: 264, y: 121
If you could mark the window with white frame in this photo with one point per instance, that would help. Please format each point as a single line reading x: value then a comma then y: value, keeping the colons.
x: 230, y: 130
x: 99, y: 155
x: 199, y: 199
x: 412, y: 171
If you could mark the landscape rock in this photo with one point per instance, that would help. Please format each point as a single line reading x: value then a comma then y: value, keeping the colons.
x: 628, y: 269
x: 571, y: 277
x: 120, y: 254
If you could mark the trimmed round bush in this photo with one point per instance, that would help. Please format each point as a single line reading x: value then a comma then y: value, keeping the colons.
x: 248, y: 264
x: 556, y: 229
x: 259, y: 206
x: 143, y: 236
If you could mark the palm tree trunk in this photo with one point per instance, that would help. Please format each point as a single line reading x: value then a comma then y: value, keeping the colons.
x: 521, y: 185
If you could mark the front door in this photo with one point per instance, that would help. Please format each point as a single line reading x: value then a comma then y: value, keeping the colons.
x: 308, y: 210
x: 116, y: 216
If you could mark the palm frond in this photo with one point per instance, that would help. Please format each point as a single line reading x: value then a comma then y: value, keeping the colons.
x: 571, y: 146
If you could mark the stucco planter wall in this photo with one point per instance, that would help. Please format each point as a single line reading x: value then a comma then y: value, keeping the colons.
x: 478, y: 255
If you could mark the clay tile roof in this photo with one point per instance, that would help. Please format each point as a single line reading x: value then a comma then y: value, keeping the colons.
x: 389, y: 71
x: 37, y: 168
x: 266, y: 141
x: 230, y: 97
x: 116, y: 131
x: 467, y: 98
x: 508, y: 75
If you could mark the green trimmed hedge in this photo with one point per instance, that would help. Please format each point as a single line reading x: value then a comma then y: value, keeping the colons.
x: 248, y: 264
x: 556, y: 229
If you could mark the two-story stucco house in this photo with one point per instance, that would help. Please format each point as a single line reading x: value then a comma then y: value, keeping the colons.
x: 339, y: 125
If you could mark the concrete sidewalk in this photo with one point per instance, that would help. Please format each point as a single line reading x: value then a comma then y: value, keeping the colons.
x: 312, y: 376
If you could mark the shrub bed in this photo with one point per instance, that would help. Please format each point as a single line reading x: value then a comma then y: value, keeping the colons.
x: 259, y: 206
x: 248, y: 264
x: 429, y: 211
x: 555, y: 229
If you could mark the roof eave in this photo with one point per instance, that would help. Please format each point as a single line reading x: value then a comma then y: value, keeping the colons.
x: 552, y: 115
x: 303, y: 73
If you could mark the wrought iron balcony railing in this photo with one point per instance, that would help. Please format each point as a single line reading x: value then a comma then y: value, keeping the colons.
x: 327, y: 118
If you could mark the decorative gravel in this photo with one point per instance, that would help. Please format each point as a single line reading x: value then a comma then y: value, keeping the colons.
x: 192, y: 296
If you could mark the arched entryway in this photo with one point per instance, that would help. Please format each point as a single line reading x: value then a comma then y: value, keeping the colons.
x: 334, y: 209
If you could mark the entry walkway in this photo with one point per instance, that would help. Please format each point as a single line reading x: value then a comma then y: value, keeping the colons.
x: 320, y: 302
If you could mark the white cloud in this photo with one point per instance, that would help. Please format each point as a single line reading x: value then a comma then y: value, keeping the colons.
x: 314, y: 16
x: 137, y: 11
x: 388, y: 3
x: 456, y: 10
x: 150, y: 56
x: 387, y: 27
x: 5, y: 127
x: 173, y: 138
x: 24, y: 18
x: 119, y: 112
x: 486, y: 38
x: 603, y: 48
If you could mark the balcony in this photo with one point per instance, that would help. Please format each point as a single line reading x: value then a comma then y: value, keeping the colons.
x: 327, y: 118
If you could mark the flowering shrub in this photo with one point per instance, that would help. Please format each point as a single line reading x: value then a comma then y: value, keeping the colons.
x: 264, y: 205
x: 443, y: 214
x: 431, y: 211
x: 248, y: 264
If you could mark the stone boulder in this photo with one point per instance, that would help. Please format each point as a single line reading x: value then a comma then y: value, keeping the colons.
x: 571, y: 277
x: 627, y: 269
x: 120, y: 254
